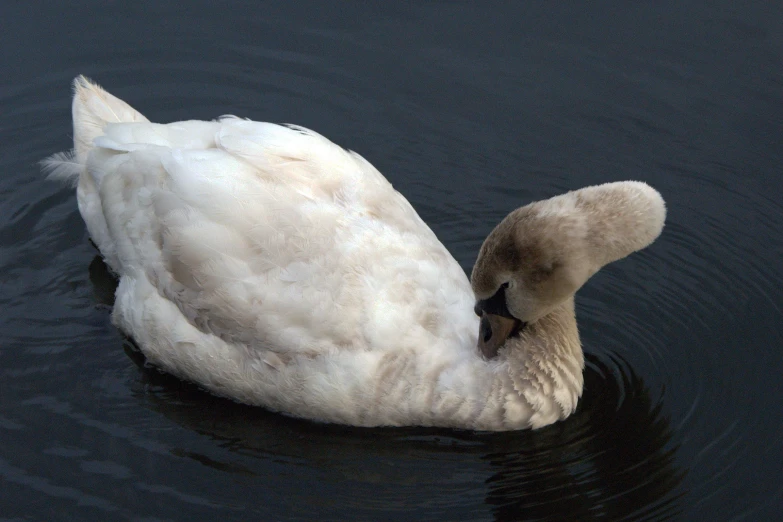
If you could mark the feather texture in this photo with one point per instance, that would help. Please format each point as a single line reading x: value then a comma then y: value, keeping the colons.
x: 271, y: 266
x: 62, y: 166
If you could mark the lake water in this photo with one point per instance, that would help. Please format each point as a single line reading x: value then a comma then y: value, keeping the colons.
x: 470, y: 110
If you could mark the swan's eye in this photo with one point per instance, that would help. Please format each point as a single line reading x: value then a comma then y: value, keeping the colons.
x: 494, y: 305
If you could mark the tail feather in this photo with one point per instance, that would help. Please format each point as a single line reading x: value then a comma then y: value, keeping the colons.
x: 93, y: 108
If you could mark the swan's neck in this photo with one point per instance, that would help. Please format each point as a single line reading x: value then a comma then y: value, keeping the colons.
x: 546, y: 364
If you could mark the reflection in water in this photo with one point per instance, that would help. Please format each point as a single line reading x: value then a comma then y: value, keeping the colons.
x: 612, y: 459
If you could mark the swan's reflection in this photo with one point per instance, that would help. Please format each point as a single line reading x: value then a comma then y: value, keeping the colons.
x: 611, y: 460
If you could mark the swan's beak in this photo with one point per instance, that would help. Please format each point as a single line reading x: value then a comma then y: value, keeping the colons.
x: 493, y: 332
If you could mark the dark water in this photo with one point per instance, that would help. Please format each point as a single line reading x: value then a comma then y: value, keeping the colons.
x: 470, y: 109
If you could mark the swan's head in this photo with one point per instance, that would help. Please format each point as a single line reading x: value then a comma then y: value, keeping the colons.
x: 542, y: 253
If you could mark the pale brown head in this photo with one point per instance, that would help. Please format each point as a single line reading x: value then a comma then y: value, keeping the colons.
x: 542, y: 253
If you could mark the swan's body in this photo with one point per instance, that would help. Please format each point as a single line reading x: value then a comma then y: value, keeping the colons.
x: 271, y: 266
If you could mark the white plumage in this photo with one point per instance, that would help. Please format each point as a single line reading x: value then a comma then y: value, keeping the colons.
x: 273, y: 267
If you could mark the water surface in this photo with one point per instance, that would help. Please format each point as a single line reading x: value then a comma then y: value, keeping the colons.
x: 470, y: 110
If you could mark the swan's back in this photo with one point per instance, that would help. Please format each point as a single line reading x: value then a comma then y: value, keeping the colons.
x: 275, y: 235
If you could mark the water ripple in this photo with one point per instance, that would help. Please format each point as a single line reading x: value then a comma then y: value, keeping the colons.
x: 682, y: 340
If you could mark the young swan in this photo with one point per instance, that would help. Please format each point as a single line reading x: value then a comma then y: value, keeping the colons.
x: 529, y: 268
x: 271, y: 266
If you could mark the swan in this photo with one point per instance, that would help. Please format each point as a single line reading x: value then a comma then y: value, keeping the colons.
x: 272, y: 267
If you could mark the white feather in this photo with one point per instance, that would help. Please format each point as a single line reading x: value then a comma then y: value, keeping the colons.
x: 62, y: 166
